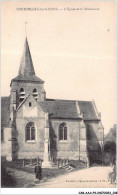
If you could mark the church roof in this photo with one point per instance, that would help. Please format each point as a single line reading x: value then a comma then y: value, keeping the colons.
x: 68, y: 109
x: 5, y: 111
x: 88, y: 110
x: 26, y: 65
x: 28, y: 79
x: 60, y: 109
x: 26, y: 70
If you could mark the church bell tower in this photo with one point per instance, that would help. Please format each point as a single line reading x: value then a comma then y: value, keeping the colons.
x: 26, y: 82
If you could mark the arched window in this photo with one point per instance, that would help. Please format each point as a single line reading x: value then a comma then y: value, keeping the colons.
x: 30, y: 131
x: 35, y: 94
x: 22, y: 94
x: 63, y: 131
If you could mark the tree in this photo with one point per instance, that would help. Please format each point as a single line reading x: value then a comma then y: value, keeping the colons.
x: 110, y: 145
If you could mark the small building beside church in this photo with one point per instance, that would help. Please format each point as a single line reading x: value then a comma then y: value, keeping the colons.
x: 33, y: 125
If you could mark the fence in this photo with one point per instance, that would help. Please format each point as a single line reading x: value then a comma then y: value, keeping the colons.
x: 55, y: 162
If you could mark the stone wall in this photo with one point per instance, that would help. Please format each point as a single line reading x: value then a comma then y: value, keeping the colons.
x: 27, y: 149
x: 65, y: 148
x: 83, y: 141
x: 6, y: 146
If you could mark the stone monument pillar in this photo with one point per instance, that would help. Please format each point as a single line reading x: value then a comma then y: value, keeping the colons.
x: 46, y: 158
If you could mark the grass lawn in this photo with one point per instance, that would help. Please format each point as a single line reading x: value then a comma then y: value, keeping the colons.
x: 46, y: 172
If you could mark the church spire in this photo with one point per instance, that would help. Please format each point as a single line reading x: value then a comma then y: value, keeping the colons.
x: 26, y: 71
x: 26, y: 65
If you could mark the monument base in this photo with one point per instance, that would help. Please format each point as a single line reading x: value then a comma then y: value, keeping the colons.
x: 8, y: 158
x: 47, y: 164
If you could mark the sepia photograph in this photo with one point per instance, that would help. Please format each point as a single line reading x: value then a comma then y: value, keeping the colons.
x: 58, y: 94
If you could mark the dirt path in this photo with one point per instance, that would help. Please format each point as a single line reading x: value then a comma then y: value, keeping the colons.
x: 94, y: 177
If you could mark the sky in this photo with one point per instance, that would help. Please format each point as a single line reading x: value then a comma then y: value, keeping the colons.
x: 73, y: 48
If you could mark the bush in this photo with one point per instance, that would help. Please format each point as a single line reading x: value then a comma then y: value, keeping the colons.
x: 7, y: 180
x: 77, y: 163
x: 110, y: 146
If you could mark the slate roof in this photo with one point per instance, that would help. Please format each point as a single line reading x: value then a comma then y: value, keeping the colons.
x: 88, y: 110
x: 32, y: 78
x: 60, y: 109
x: 26, y: 70
x: 5, y: 111
x: 26, y: 65
x: 67, y: 109
x: 57, y: 109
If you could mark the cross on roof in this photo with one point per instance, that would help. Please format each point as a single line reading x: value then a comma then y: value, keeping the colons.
x: 26, y: 27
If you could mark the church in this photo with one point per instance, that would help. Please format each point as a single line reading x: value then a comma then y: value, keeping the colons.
x: 34, y: 126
